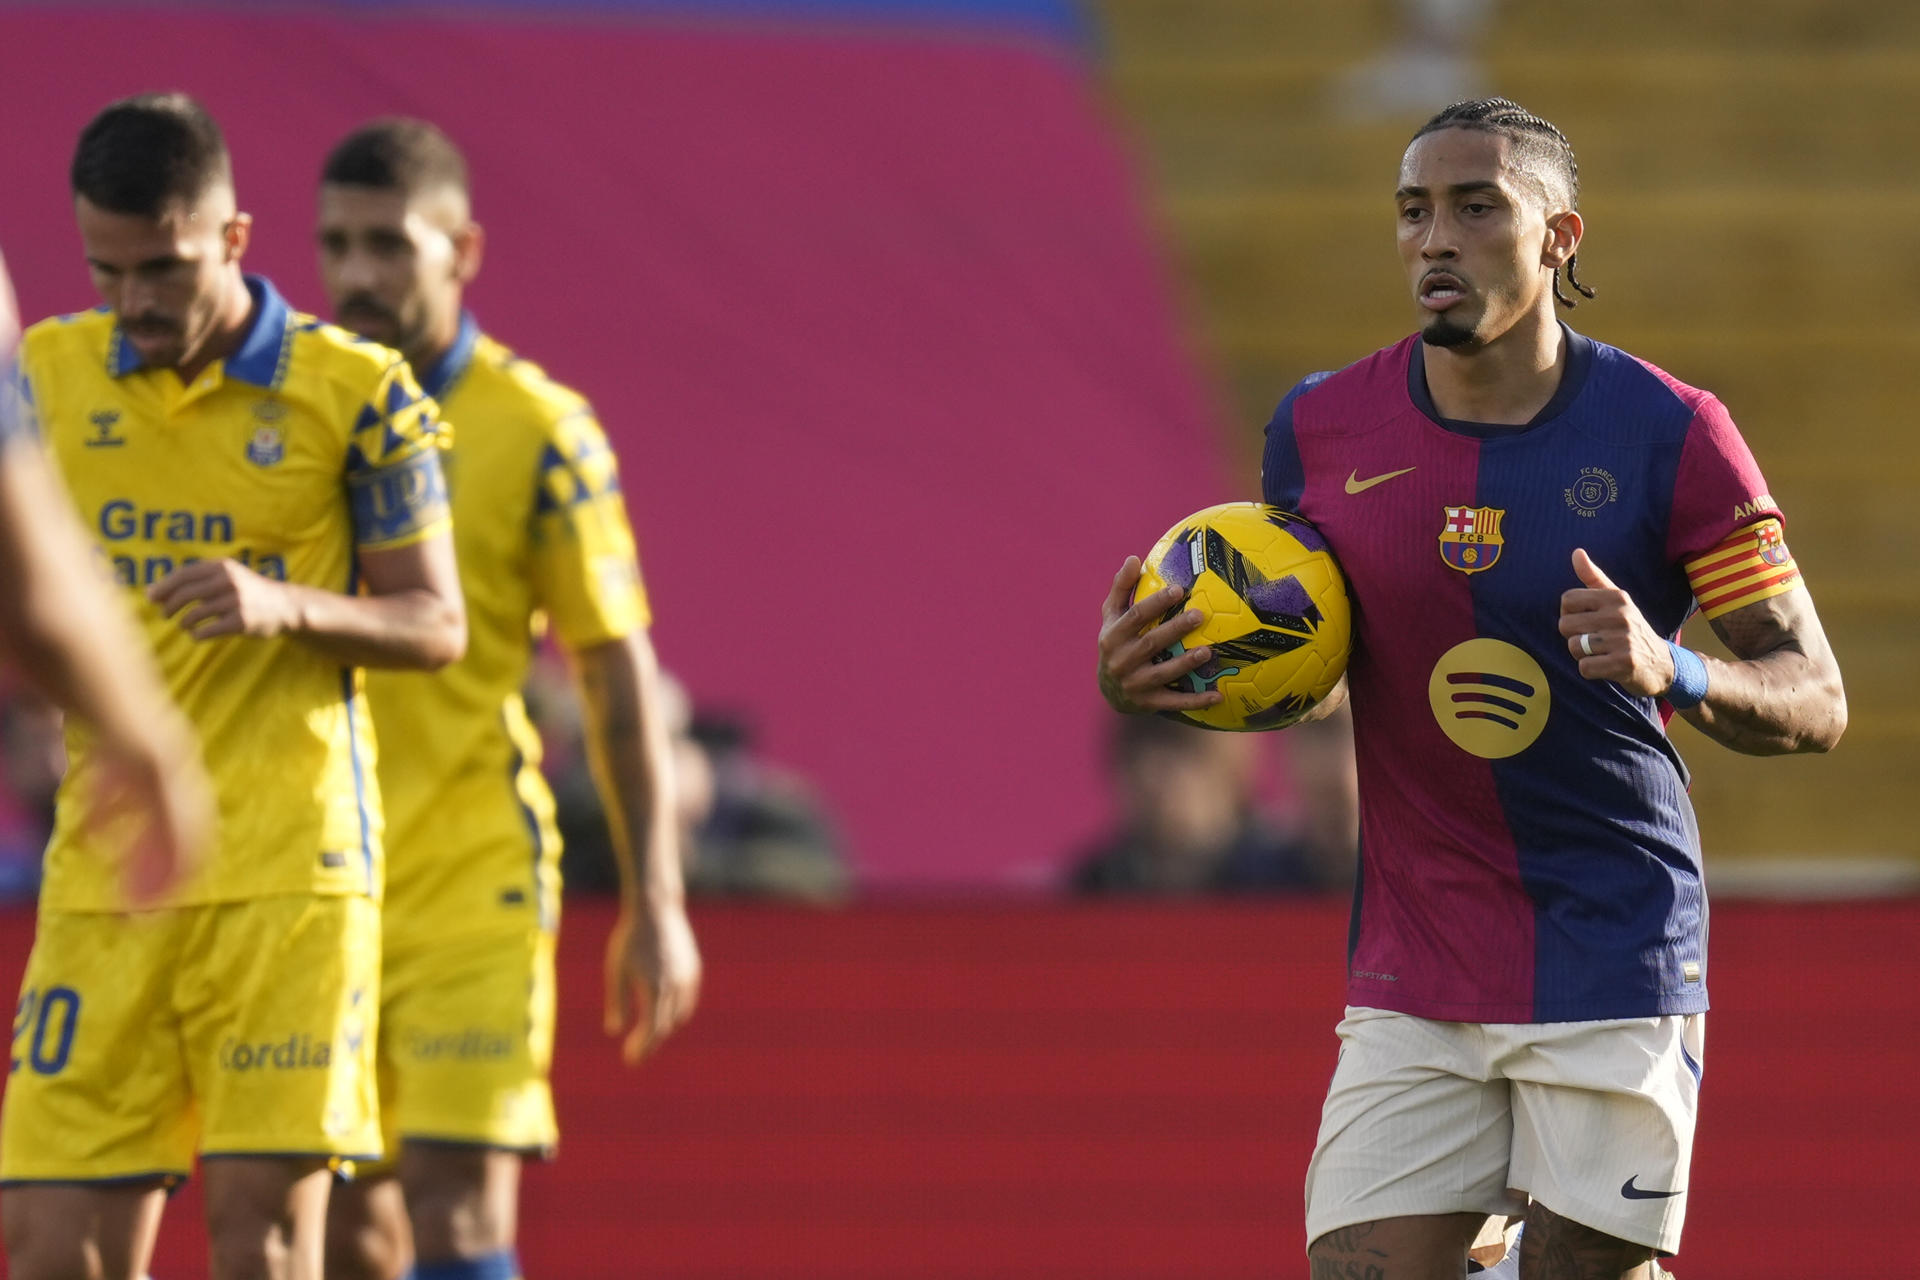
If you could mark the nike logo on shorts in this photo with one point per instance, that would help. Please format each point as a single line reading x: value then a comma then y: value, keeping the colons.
x: 1356, y: 485
x: 1632, y: 1192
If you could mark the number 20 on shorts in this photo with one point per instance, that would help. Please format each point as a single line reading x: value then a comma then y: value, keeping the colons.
x: 45, y: 1022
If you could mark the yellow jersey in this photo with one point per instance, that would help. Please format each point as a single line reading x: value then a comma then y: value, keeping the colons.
x: 542, y: 536
x: 302, y: 445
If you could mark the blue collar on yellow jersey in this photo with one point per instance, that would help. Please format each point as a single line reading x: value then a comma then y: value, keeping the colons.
x: 261, y: 357
x: 438, y: 378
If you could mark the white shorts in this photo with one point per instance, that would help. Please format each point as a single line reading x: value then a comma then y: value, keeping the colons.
x: 1593, y: 1119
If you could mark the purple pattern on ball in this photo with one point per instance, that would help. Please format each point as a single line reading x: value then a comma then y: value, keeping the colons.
x: 1177, y: 565
x: 1285, y: 596
x: 1303, y: 532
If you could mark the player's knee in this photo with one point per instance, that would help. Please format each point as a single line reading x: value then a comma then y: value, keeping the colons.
x: 461, y: 1202
x: 1552, y: 1235
x: 367, y: 1233
x: 458, y: 1221
x: 240, y: 1249
x: 37, y: 1256
x: 42, y: 1250
x: 367, y: 1249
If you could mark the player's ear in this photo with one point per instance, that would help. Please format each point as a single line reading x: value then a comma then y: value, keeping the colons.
x: 238, y: 234
x: 469, y: 245
x: 1564, y: 230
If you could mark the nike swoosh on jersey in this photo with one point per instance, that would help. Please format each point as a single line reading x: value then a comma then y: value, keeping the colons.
x: 1632, y: 1192
x: 1356, y: 485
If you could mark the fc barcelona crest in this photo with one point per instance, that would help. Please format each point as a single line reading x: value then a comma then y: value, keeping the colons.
x: 1773, y: 544
x: 1470, y: 540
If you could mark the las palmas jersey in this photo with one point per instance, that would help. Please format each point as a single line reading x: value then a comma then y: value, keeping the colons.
x: 1528, y: 851
x: 541, y: 531
x: 302, y: 445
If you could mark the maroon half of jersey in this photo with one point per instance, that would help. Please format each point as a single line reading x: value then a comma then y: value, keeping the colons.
x: 1528, y: 851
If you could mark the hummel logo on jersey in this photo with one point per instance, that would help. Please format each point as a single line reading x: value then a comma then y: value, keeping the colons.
x: 1632, y: 1192
x: 1356, y: 485
x: 103, y: 421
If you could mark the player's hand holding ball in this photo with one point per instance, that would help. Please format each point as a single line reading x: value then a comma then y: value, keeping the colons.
x: 1130, y: 680
x: 225, y: 598
x: 1263, y: 639
x: 1607, y: 633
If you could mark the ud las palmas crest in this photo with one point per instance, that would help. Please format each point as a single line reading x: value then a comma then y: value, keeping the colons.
x: 1470, y: 540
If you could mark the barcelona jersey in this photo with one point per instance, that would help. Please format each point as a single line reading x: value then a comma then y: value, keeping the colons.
x: 303, y: 445
x: 541, y: 531
x: 1528, y: 851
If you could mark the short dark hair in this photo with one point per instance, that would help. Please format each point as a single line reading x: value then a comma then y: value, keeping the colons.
x: 1540, y: 149
x: 397, y: 154
x: 141, y: 154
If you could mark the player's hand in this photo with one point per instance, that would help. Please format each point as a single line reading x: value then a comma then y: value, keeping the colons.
x: 1620, y: 644
x: 1131, y: 634
x: 157, y: 798
x: 212, y: 598
x: 653, y: 977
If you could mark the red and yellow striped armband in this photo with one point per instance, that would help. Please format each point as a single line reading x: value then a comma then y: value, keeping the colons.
x: 1750, y: 564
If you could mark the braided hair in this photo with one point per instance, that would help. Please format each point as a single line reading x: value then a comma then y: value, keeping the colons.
x: 1544, y: 151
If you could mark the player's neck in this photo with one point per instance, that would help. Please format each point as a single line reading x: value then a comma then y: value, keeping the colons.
x: 229, y: 330
x: 434, y: 345
x: 1507, y: 382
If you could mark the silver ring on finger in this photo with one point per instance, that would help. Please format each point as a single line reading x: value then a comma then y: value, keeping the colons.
x: 1586, y: 643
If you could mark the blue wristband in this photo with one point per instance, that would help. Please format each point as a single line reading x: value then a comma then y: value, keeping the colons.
x: 1689, y: 685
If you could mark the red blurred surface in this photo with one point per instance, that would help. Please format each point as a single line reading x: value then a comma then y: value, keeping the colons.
x: 980, y: 1090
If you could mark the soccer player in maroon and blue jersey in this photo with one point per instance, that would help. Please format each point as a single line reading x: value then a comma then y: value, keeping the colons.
x: 1525, y: 517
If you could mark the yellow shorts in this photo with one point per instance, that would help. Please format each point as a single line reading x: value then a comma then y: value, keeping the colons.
x: 466, y: 1042
x: 242, y: 1028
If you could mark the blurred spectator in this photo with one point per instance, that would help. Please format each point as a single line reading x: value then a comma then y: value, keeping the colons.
x: 1433, y: 60
x: 32, y: 759
x: 762, y: 831
x: 751, y: 828
x: 1190, y: 822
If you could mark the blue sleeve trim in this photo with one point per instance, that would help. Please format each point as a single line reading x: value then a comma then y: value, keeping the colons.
x: 1282, y: 479
x: 399, y: 499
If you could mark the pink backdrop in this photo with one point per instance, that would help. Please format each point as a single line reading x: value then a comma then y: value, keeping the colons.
x: 873, y: 319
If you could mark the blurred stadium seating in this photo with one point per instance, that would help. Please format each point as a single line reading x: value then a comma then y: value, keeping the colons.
x: 1749, y: 207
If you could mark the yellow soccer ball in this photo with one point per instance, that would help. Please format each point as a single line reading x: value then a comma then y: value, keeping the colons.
x: 1274, y: 610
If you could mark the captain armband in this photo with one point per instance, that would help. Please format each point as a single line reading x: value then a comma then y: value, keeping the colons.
x: 1749, y: 565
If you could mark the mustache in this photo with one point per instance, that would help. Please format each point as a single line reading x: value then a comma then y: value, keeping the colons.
x: 149, y: 324
x: 365, y: 304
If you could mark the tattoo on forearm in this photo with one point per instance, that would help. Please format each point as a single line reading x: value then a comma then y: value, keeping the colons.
x: 1784, y: 693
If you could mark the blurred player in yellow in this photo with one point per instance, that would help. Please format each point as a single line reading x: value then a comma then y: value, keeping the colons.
x: 267, y: 491
x: 71, y: 639
x: 473, y: 897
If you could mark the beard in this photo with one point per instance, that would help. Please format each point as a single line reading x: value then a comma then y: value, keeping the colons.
x: 1441, y: 330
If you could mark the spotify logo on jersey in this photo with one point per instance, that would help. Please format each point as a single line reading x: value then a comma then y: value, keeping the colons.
x: 1490, y: 697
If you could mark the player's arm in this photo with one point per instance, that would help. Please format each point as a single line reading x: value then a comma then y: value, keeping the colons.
x: 1782, y: 693
x: 411, y: 613
x: 74, y: 644
x: 586, y: 573
x: 653, y: 964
